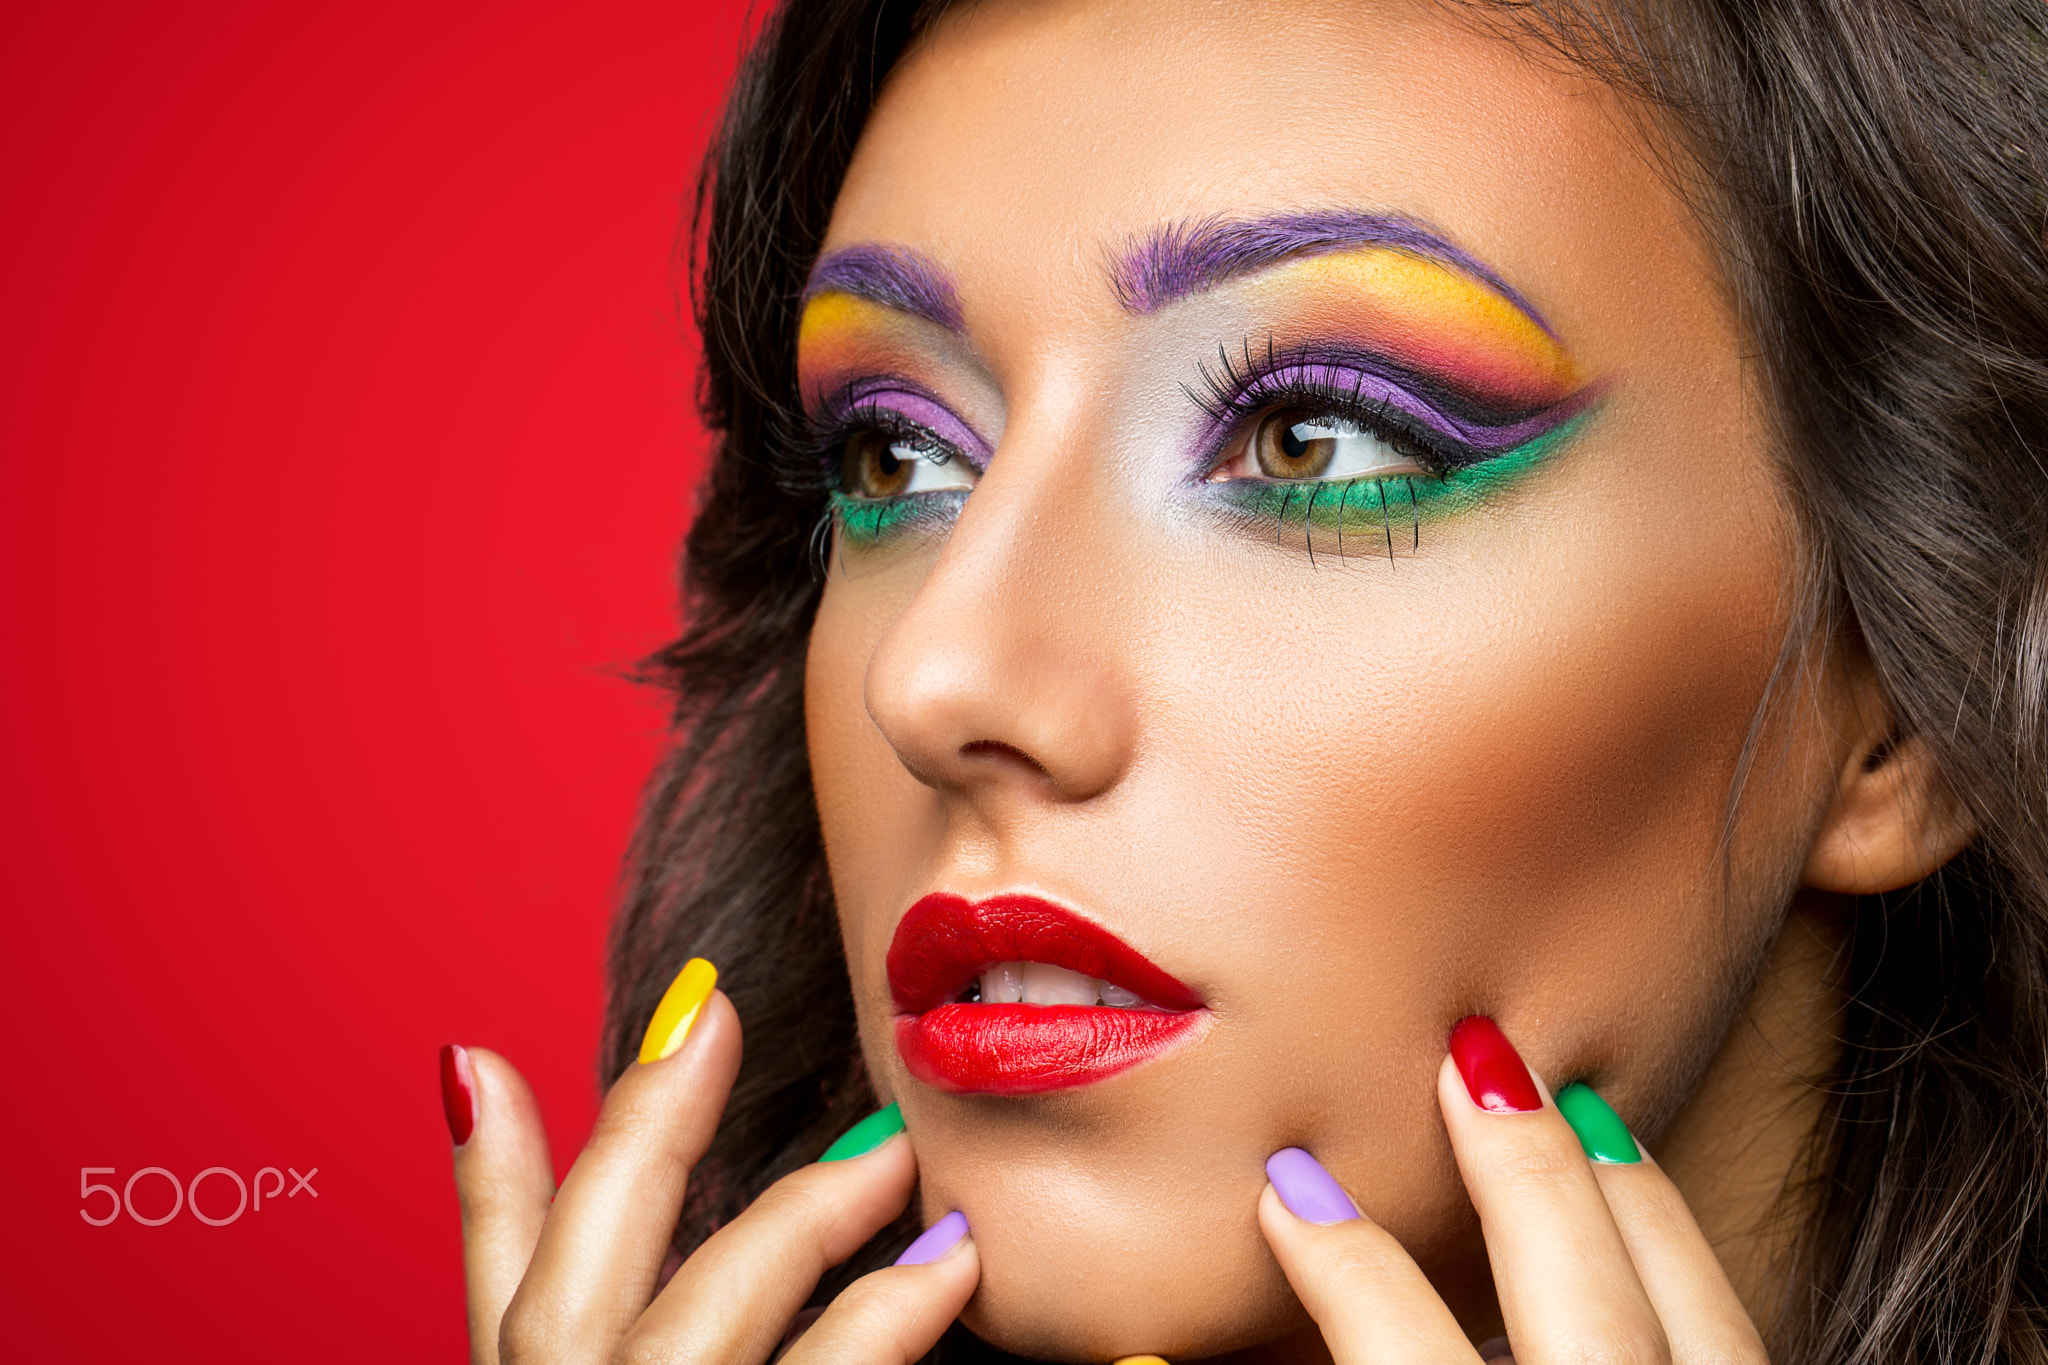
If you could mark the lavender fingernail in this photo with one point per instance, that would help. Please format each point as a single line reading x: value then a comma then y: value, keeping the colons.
x: 1308, y: 1190
x: 938, y: 1239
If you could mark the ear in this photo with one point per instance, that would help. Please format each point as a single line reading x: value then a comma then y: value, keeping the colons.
x: 1893, y: 820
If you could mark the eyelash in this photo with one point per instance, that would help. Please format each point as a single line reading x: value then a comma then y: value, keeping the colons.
x: 811, y: 468
x: 1242, y: 391
x: 815, y: 469
x: 1233, y: 398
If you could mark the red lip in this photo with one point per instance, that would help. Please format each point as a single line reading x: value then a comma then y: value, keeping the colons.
x: 945, y: 941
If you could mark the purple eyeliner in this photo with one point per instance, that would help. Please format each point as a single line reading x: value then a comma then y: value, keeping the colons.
x: 890, y: 395
x: 1318, y: 379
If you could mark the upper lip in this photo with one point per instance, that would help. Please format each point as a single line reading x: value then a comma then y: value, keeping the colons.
x: 946, y: 940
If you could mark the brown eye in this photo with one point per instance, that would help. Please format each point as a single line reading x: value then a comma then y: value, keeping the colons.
x: 1294, y: 444
x: 1301, y: 443
x: 876, y: 465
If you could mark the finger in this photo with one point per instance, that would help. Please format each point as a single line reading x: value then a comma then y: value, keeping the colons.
x: 736, y: 1296
x: 1567, y: 1288
x: 594, y: 1268
x: 1368, y: 1296
x: 894, y: 1316
x: 798, y: 1325
x: 1702, y: 1315
x: 504, y: 1177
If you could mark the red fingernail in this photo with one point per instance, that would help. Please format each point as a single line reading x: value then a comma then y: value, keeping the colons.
x: 1495, y: 1076
x: 458, y: 1092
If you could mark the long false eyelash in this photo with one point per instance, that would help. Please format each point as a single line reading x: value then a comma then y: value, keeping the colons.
x: 1245, y: 385
x: 811, y: 465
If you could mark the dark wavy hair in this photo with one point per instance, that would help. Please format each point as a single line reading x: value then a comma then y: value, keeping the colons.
x: 1873, y: 174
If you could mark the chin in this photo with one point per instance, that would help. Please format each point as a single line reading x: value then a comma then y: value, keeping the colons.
x: 1176, y: 1293
x: 1111, y: 1220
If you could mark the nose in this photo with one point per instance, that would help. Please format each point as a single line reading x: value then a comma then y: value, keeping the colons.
x: 1005, y: 678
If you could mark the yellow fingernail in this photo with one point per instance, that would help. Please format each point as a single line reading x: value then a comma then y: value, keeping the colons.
x: 1141, y: 1360
x: 678, y: 1009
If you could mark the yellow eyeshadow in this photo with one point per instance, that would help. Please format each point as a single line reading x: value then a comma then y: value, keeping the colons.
x: 834, y: 313
x: 1450, y: 303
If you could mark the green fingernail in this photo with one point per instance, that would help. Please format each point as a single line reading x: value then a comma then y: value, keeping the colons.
x: 1601, y: 1131
x: 877, y: 1128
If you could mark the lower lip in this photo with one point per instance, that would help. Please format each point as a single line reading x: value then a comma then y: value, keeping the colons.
x: 1031, y: 1049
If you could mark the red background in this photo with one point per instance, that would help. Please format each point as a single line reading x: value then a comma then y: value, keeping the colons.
x: 346, y: 439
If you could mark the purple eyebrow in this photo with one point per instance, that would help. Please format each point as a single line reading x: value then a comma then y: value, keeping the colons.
x: 892, y: 276
x: 1189, y: 257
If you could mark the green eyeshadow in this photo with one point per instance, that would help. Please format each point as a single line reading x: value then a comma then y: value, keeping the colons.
x: 1381, y: 508
x: 865, y: 523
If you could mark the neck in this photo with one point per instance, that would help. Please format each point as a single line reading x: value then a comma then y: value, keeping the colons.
x: 1735, y: 1147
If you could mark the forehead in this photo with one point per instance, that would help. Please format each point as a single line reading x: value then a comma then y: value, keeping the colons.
x: 1023, y: 143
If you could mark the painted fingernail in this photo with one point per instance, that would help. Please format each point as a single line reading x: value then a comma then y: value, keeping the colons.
x: 1495, y: 1076
x: 938, y: 1239
x: 458, y: 1092
x: 678, y: 1010
x: 870, y: 1133
x: 1141, y: 1360
x: 1310, y: 1193
x: 1601, y: 1132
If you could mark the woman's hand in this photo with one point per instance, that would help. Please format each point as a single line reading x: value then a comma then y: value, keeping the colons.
x: 573, y: 1275
x: 1594, y: 1260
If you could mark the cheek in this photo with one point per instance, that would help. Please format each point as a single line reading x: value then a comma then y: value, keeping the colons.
x: 845, y: 748
x: 1494, y: 786
x: 878, y: 826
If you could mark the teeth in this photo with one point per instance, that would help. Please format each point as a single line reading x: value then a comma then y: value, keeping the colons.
x: 1003, y: 984
x: 1041, y: 983
x: 1045, y: 984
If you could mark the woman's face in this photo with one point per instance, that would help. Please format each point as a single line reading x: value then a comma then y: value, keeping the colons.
x: 1371, y: 567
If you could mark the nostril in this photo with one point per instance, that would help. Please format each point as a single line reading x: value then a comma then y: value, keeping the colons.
x: 995, y: 748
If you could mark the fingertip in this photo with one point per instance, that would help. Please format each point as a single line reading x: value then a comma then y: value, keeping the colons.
x: 1450, y: 1086
x: 1491, y: 1071
x: 958, y: 1266
x: 1287, y: 1233
x: 875, y: 1131
x: 718, y: 1023
x: 715, y: 1042
x: 1454, y: 1097
x: 1274, y: 1219
x: 941, y: 1239
x: 501, y: 1094
x: 676, y: 1016
x: 1308, y: 1190
x: 458, y: 1093
x: 710, y: 1036
x: 507, y: 1147
x: 1602, y: 1135
x: 890, y: 1165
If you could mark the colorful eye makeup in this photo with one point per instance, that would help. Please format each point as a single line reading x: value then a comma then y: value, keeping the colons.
x: 894, y: 457
x: 891, y: 454
x: 1430, y: 318
x: 1420, y: 383
x: 1344, y: 438
x: 1413, y: 383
